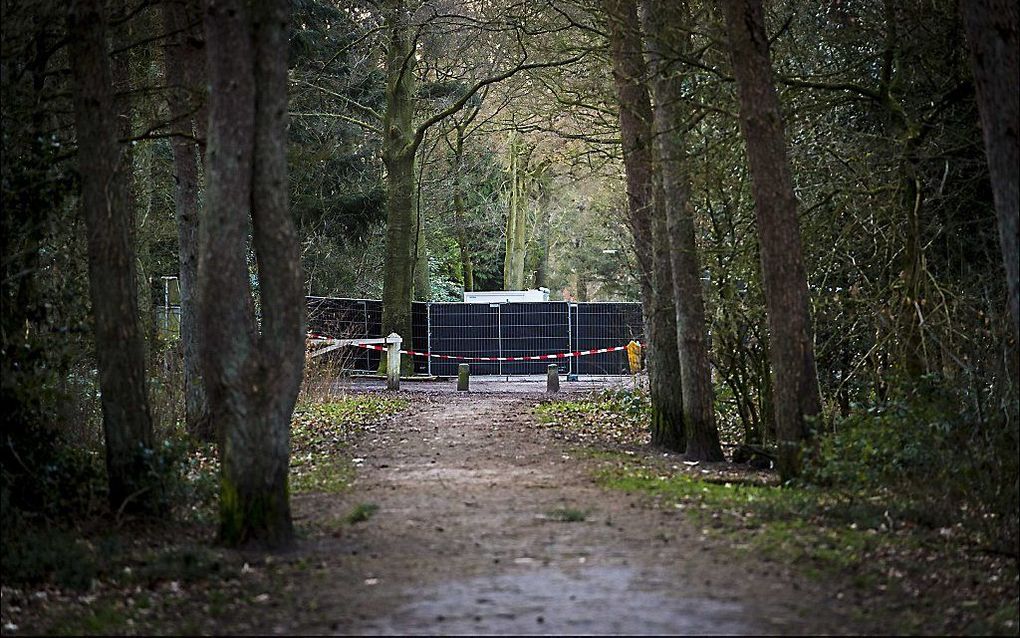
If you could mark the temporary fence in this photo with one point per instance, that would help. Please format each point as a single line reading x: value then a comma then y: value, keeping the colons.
x: 514, y: 338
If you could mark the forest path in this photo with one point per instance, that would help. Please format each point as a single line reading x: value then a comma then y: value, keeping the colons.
x: 469, y: 538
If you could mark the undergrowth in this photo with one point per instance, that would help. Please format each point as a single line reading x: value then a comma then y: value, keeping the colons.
x: 608, y: 417
x: 907, y: 501
x: 321, y: 436
x: 62, y: 538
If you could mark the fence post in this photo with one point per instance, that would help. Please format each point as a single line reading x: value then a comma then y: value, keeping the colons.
x: 499, y: 333
x: 393, y: 342
x: 553, y: 378
x: 463, y: 376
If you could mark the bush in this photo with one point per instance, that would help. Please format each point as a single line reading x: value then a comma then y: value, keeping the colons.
x: 37, y: 554
x: 937, y: 463
x: 43, y: 475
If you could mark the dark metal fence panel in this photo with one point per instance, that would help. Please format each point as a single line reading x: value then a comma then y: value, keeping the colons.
x: 604, y: 325
x: 489, y: 330
x: 420, y: 335
x: 348, y: 319
x: 465, y: 329
x: 533, y: 328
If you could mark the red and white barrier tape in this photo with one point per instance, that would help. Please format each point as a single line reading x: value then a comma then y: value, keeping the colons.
x: 537, y: 357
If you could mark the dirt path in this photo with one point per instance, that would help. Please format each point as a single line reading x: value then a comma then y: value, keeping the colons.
x: 468, y: 539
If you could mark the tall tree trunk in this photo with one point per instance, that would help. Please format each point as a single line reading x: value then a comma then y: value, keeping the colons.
x: 786, y: 296
x: 542, y: 270
x: 185, y: 69
x: 252, y: 379
x: 120, y: 71
x: 661, y: 20
x: 398, y: 155
x: 517, y: 216
x: 635, y: 133
x: 460, y: 212
x: 509, y: 246
x: 127, y: 424
x: 992, y: 36
x: 582, y: 286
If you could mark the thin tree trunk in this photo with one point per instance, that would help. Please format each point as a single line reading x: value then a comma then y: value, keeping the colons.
x: 512, y: 214
x: 992, y: 36
x: 702, y: 437
x: 120, y: 350
x: 517, y: 216
x: 635, y: 132
x: 184, y: 64
x: 911, y: 360
x: 542, y: 271
x: 252, y: 380
x: 460, y: 212
x: 786, y: 295
x: 120, y: 71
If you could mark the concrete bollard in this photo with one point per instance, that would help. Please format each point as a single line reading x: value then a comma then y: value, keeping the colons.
x: 393, y: 342
x: 553, y: 379
x: 463, y: 376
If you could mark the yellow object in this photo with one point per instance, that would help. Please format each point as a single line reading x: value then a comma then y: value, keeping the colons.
x: 634, y: 356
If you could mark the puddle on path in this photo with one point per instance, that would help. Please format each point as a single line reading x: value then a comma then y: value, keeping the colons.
x: 548, y: 600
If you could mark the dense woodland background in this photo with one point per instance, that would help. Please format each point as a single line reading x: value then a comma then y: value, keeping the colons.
x: 396, y: 149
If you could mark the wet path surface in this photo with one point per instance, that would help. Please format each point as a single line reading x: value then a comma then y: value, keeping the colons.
x: 470, y: 537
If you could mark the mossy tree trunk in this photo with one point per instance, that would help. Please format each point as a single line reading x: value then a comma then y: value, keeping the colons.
x: 252, y: 373
x: 665, y: 376
x: 109, y: 220
x: 791, y: 350
x: 663, y: 21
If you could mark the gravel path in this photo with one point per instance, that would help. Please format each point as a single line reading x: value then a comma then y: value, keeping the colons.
x: 468, y: 538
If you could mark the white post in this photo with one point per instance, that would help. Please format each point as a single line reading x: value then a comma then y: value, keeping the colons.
x: 393, y: 342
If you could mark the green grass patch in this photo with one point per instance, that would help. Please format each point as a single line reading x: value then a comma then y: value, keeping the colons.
x: 326, y: 478
x: 184, y: 564
x: 785, y: 523
x: 361, y: 513
x: 321, y: 437
x: 104, y: 619
x: 872, y: 544
x: 609, y: 417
